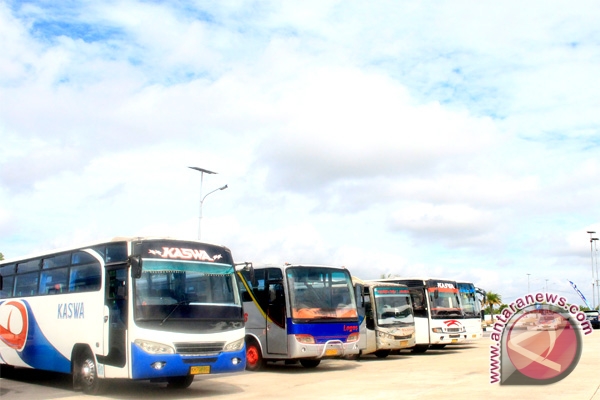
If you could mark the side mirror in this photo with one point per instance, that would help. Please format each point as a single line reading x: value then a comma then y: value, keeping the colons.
x: 136, y: 266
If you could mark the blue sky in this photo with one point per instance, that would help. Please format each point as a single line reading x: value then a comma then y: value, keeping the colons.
x: 452, y: 139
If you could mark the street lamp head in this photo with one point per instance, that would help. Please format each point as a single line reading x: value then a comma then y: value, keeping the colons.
x: 223, y: 187
x: 591, y: 231
x: 202, y: 170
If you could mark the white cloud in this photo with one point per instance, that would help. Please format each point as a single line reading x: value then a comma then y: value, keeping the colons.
x: 454, y: 140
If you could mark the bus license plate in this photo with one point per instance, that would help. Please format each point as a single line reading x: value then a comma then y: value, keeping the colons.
x: 454, y: 340
x: 404, y: 343
x: 200, y: 369
x: 332, y: 352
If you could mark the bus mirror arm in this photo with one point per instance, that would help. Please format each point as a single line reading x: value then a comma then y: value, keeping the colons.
x: 136, y: 266
x: 246, y: 266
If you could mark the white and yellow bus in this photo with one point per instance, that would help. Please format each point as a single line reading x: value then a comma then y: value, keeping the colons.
x: 386, y: 318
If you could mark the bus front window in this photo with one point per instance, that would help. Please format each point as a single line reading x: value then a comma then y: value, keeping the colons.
x: 393, y: 307
x: 444, y: 304
x: 321, y: 293
x: 187, y: 295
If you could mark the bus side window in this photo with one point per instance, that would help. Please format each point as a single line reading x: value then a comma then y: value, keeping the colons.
x: 8, y: 279
x: 27, y: 284
x: 53, y: 281
x: 84, y: 278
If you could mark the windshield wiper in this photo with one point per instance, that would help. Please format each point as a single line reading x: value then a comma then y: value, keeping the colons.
x: 173, y: 310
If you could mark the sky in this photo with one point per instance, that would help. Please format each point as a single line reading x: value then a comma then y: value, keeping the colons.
x: 452, y: 139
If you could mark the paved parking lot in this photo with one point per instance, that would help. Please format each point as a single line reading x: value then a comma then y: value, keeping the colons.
x: 454, y: 372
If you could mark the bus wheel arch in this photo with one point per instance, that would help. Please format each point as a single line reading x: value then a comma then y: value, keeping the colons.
x: 84, y: 368
x: 180, y: 382
x: 420, y: 348
x: 254, y: 357
x: 382, y: 353
x: 309, y: 362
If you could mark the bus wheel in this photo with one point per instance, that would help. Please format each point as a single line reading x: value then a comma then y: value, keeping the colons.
x: 307, y: 363
x: 420, y: 348
x: 382, y: 353
x: 254, y: 358
x: 180, y: 382
x: 85, y: 374
x: 438, y: 346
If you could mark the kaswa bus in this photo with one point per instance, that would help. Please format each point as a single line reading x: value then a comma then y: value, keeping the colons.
x: 136, y: 308
x: 386, y: 317
x: 471, y: 309
x: 302, y: 313
x: 438, y: 316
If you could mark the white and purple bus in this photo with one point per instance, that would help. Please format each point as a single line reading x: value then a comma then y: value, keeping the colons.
x: 130, y: 308
x: 302, y: 313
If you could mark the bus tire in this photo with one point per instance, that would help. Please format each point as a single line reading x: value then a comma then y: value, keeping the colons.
x: 180, y: 382
x: 382, y: 353
x: 438, y: 346
x: 254, y: 358
x: 309, y: 363
x: 85, y: 373
x: 420, y: 348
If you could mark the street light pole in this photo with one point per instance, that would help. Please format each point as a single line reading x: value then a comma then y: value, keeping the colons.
x: 202, y: 171
x: 528, y: 283
x: 202, y: 202
x: 593, y: 275
x: 595, y: 281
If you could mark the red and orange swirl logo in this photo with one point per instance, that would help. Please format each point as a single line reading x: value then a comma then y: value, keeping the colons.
x: 13, y: 324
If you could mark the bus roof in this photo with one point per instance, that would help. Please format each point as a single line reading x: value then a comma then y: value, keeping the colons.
x: 115, y: 239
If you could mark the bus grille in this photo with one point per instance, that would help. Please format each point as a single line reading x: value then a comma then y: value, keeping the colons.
x: 199, y: 348
x: 454, y: 329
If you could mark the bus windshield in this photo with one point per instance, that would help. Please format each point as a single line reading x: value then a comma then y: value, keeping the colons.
x: 444, y: 303
x: 188, y: 295
x: 468, y: 300
x: 393, y: 307
x: 321, y: 293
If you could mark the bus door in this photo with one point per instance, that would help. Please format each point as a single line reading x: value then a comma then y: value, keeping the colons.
x: 276, y: 317
x: 116, y: 303
x: 361, y: 310
x: 421, y: 315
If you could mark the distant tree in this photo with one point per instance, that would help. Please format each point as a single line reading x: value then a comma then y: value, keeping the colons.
x: 492, y: 299
x: 390, y: 275
x: 1, y: 256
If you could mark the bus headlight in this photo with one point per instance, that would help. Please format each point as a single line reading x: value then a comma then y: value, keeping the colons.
x: 234, y: 346
x: 437, y: 330
x: 384, y: 335
x: 154, y: 348
x: 305, y: 339
x: 353, y: 337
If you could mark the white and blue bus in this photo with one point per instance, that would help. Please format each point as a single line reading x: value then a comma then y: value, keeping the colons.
x: 302, y: 313
x: 471, y: 309
x: 437, y: 310
x: 131, y: 308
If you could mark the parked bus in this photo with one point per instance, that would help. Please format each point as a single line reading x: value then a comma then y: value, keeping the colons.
x: 471, y: 309
x: 438, y: 316
x: 134, y: 308
x: 386, y: 317
x: 302, y: 313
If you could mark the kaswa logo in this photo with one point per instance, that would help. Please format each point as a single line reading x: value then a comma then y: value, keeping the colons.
x: 13, y: 324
